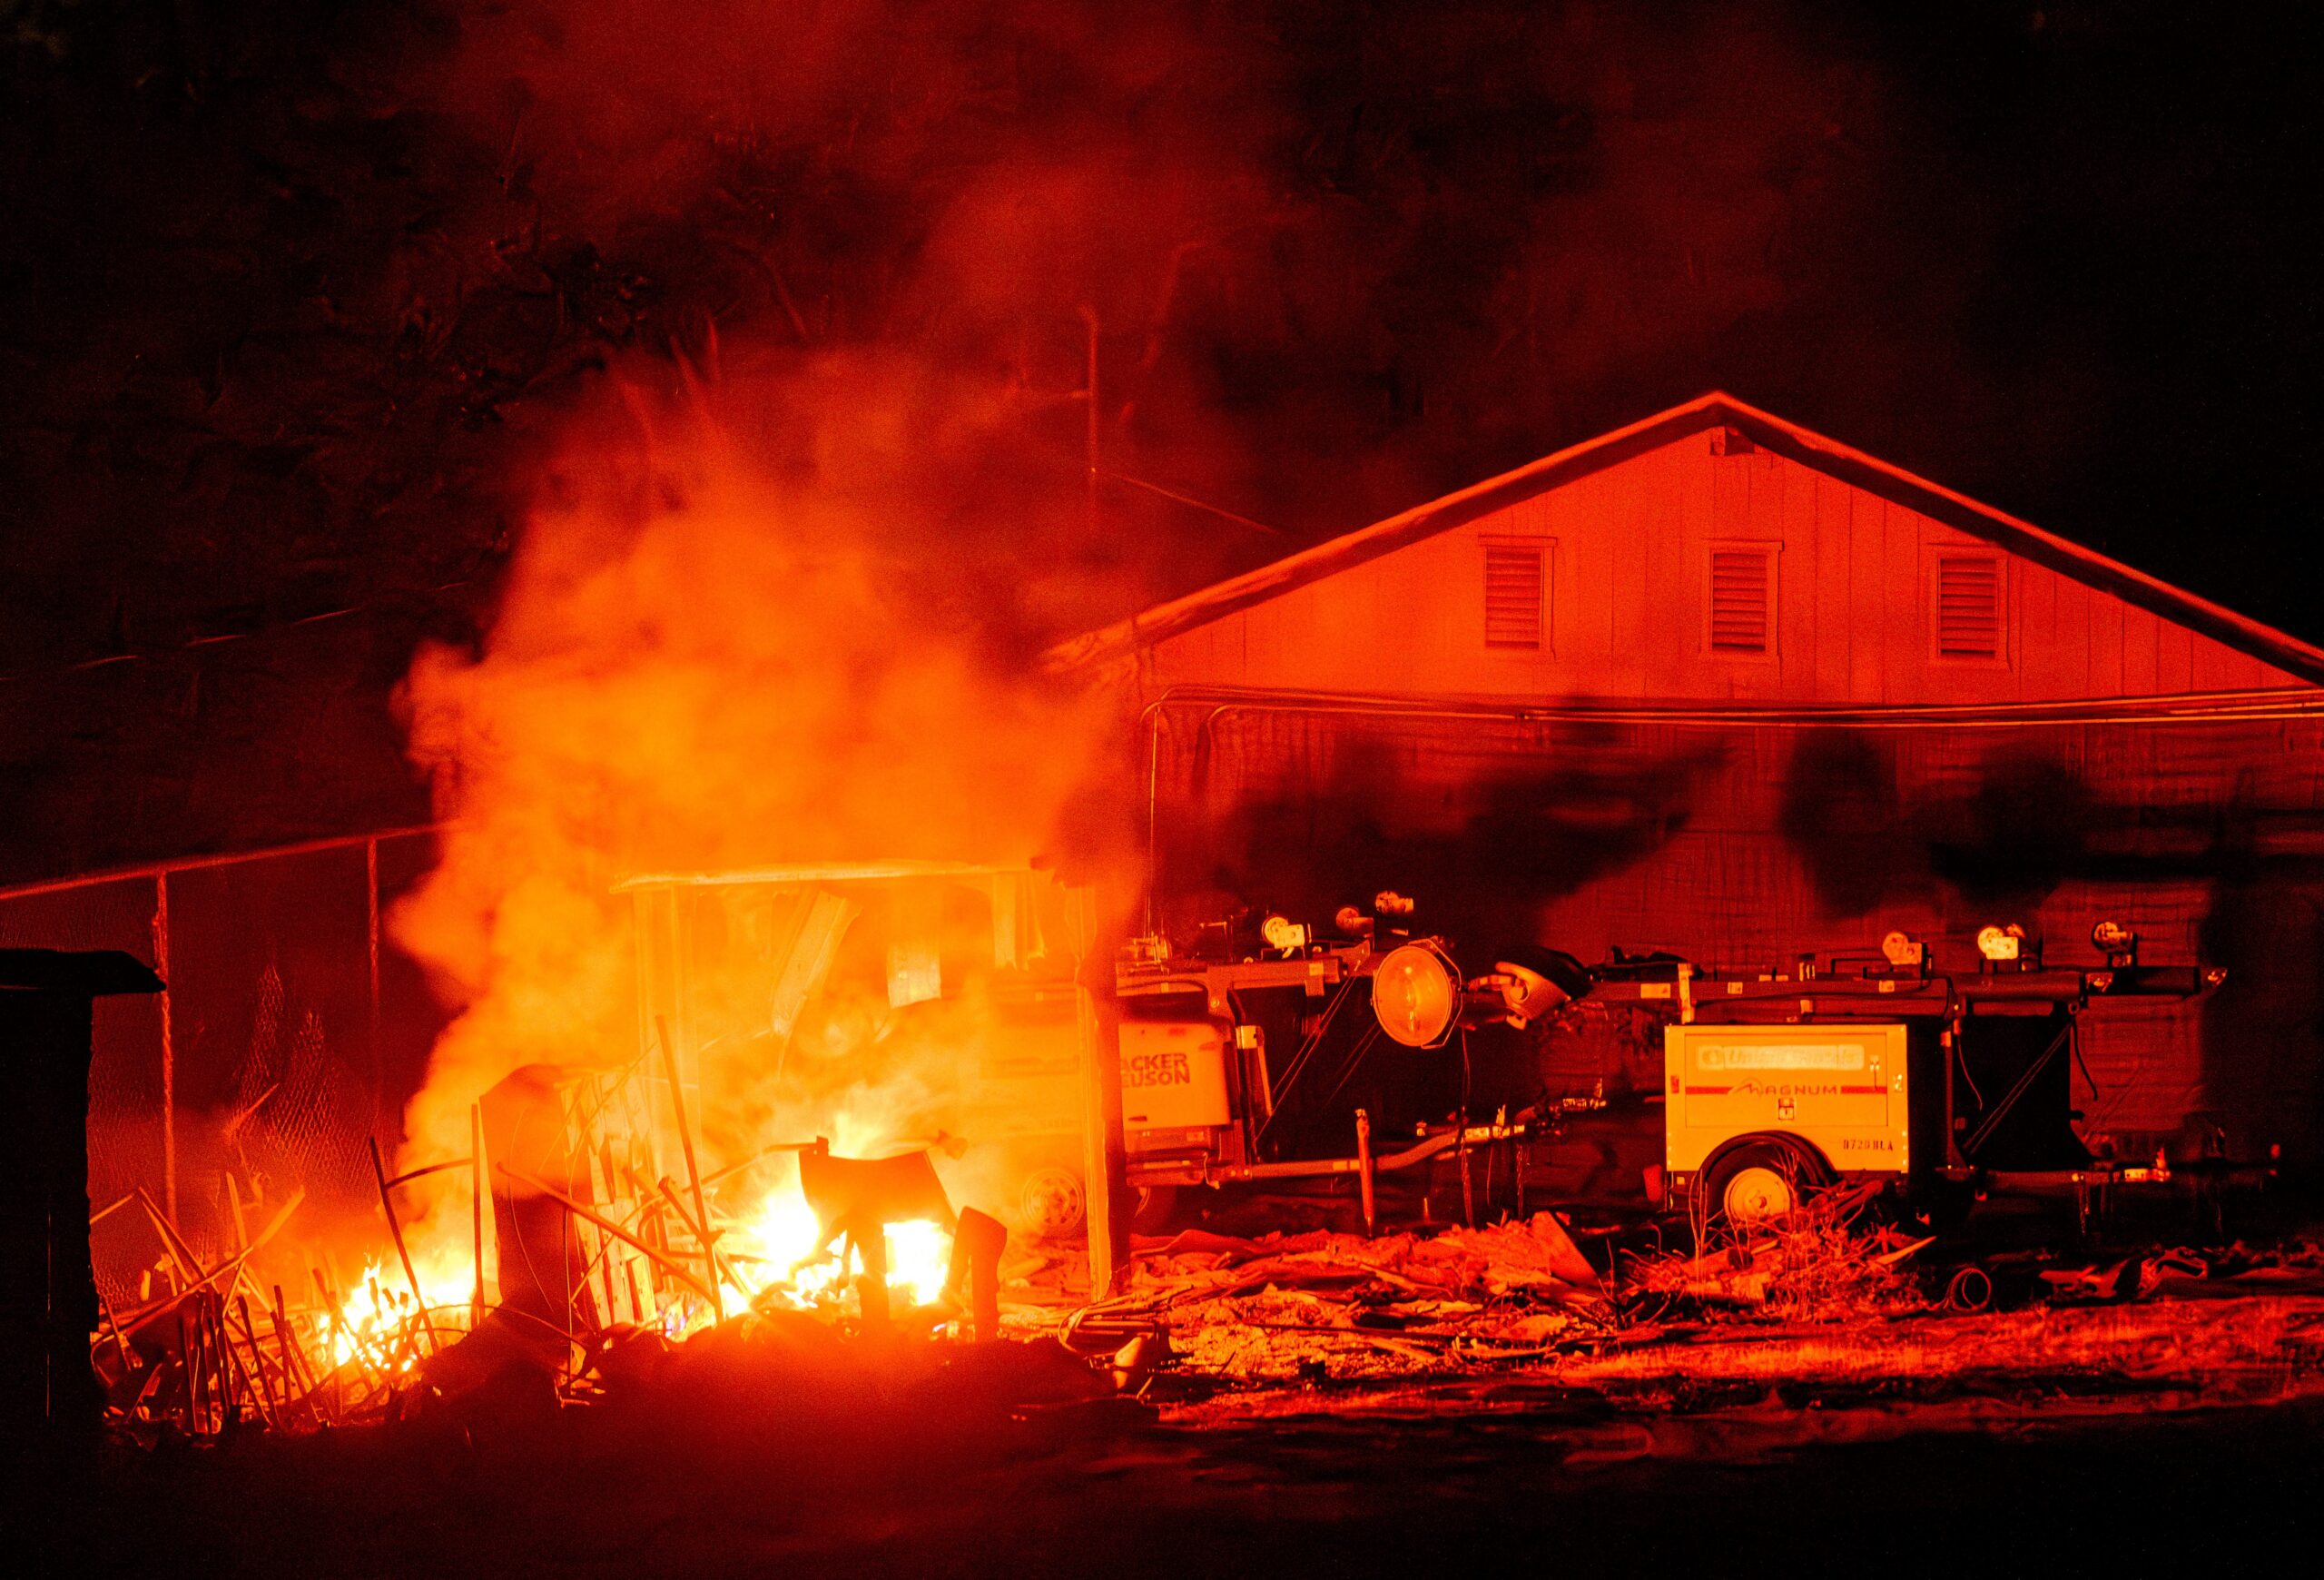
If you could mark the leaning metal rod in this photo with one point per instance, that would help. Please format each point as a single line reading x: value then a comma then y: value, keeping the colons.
x: 257, y: 1367
x: 1977, y: 1138
x: 693, y: 1175
x: 720, y: 1268
x: 1417, y: 1153
x: 395, y: 1229
x: 138, y: 1317
x: 445, y: 1167
x: 667, y: 1263
x: 189, y: 1266
x: 294, y: 1359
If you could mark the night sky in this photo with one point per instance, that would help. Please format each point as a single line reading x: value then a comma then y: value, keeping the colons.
x: 293, y: 298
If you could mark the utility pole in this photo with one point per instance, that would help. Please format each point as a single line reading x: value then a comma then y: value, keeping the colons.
x: 1089, y: 399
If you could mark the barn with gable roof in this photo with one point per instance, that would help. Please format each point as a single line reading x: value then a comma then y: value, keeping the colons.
x: 1717, y: 684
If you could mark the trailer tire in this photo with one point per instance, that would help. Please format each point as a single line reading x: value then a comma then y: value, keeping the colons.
x: 1051, y: 1203
x: 1758, y: 1178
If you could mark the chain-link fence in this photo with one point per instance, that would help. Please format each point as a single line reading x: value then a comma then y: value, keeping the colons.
x: 292, y: 1033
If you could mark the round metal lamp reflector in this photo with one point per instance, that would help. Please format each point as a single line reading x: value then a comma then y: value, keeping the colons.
x: 1416, y: 992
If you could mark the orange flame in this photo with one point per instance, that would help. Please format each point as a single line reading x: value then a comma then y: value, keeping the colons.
x: 743, y: 627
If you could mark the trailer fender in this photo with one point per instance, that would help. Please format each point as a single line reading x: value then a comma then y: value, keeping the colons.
x: 1761, y: 1174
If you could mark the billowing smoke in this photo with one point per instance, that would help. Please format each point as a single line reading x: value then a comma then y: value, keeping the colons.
x: 294, y: 289
x: 782, y: 566
x: 746, y: 624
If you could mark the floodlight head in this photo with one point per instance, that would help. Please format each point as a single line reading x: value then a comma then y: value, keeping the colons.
x: 1417, y: 995
x: 1284, y: 934
x: 1536, y: 980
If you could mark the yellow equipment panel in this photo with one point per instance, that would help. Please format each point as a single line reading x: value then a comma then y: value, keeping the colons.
x: 1841, y: 1089
x: 1173, y: 1073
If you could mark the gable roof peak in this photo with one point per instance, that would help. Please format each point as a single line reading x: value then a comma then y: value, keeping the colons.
x: 1713, y: 409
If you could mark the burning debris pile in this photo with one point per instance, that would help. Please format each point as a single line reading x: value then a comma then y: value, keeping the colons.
x: 593, y: 1245
x: 211, y: 1350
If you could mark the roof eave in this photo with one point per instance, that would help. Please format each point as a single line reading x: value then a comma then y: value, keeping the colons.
x: 2277, y: 648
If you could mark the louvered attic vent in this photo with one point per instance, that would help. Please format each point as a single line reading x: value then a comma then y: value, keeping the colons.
x: 1739, y: 600
x: 1513, y: 596
x: 1968, y: 607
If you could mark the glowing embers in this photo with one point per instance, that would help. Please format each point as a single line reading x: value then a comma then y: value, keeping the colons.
x: 374, y: 1326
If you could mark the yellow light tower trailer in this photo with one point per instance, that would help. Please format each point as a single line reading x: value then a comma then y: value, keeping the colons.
x: 1234, y: 1057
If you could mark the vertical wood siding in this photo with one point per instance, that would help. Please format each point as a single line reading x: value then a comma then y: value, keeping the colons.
x: 1731, y: 846
x: 1627, y: 558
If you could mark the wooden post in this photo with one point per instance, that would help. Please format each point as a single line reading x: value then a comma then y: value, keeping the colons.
x: 1363, y: 1172
x: 395, y: 1228
x: 476, y: 1163
x: 1104, y: 1155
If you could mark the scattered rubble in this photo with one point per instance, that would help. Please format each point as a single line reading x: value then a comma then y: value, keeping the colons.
x: 1321, y: 1304
x: 1816, y: 1265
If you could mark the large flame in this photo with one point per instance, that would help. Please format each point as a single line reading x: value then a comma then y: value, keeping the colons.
x: 743, y: 627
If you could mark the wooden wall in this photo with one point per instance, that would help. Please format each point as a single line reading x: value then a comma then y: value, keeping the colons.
x: 1742, y: 847
x: 1628, y: 551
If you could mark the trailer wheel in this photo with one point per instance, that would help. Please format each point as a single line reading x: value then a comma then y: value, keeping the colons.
x: 1051, y: 1202
x: 1754, y: 1181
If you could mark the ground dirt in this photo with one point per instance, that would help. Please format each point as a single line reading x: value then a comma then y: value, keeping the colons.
x: 2184, y: 1427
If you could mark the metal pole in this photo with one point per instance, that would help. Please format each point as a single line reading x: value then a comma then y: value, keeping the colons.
x: 169, y: 1053
x: 1089, y: 397
x: 371, y: 927
x: 1364, y: 1172
x: 395, y: 1228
